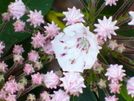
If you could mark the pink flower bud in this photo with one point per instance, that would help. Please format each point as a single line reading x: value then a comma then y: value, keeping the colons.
x: 17, y: 9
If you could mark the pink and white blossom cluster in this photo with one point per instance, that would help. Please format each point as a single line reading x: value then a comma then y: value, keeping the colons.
x: 105, y: 28
x: 35, y: 18
x: 115, y: 73
x: 17, y: 9
x: 73, y: 16
x: 72, y: 84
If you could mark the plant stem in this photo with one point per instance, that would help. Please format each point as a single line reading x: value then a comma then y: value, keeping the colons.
x: 100, y: 9
x: 118, y: 13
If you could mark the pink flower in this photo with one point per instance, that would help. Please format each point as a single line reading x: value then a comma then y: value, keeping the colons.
x: 51, y: 80
x: 115, y: 87
x: 45, y: 96
x: 78, y: 46
x: 19, y: 25
x: 115, y: 72
x: 18, y: 49
x: 112, y: 44
x: 47, y: 48
x: 110, y: 2
x: 6, y: 16
x: 3, y: 66
x: 37, y: 78
x: 18, y: 58
x: 111, y: 98
x: 105, y: 28
x: 17, y: 9
x: 28, y: 69
x: 11, y: 86
x: 33, y: 56
x: 132, y: 17
x: 2, y: 94
x: 11, y: 97
x: 73, y: 16
x: 130, y: 86
x: 38, y: 40
x: 2, y: 46
x: 60, y: 96
x: 35, y: 18
x: 52, y: 30
x: 73, y: 83
x: 100, y: 41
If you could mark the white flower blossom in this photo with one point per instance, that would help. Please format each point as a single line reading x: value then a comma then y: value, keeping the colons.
x: 76, y: 48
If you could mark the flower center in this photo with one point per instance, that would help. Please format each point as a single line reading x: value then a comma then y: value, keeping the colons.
x: 83, y: 44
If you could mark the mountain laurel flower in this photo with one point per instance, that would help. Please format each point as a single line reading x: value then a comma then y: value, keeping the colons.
x: 11, y: 97
x: 6, y: 16
x: 52, y: 30
x: 51, y: 80
x: 3, y: 94
x: 115, y: 72
x: 47, y: 48
x: 35, y: 18
x: 17, y: 9
x: 2, y: 46
x: 33, y: 56
x: 130, y: 86
x: 78, y: 48
x: 18, y: 49
x: 106, y: 28
x: 110, y: 2
x: 131, y: 13
x: 60, y: 95
x: 37, y: 78
x: 38, y: 40
x: 45, y: 96
x: 3, y: 66
x: 19, y: 25
x: 11, y: 86
x: 114, y: 87
x: 73, y: 83
x: 28, y: 69
x: 111, y: 98
x: 73, y: 16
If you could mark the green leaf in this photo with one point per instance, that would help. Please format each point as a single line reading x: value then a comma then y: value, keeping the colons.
x: 43, y: 5
x: 126, y: 33
x: 3, y: 7
x: 10, y: 37
x: 124, y: 94
x: 87, y: 95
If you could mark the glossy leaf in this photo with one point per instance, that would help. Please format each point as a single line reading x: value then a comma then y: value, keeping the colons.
x: 43, y: 5
x: 124, y: 94
x: 87, y: 95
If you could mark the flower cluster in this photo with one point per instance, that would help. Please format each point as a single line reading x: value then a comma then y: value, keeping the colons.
x: 82, y: 51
